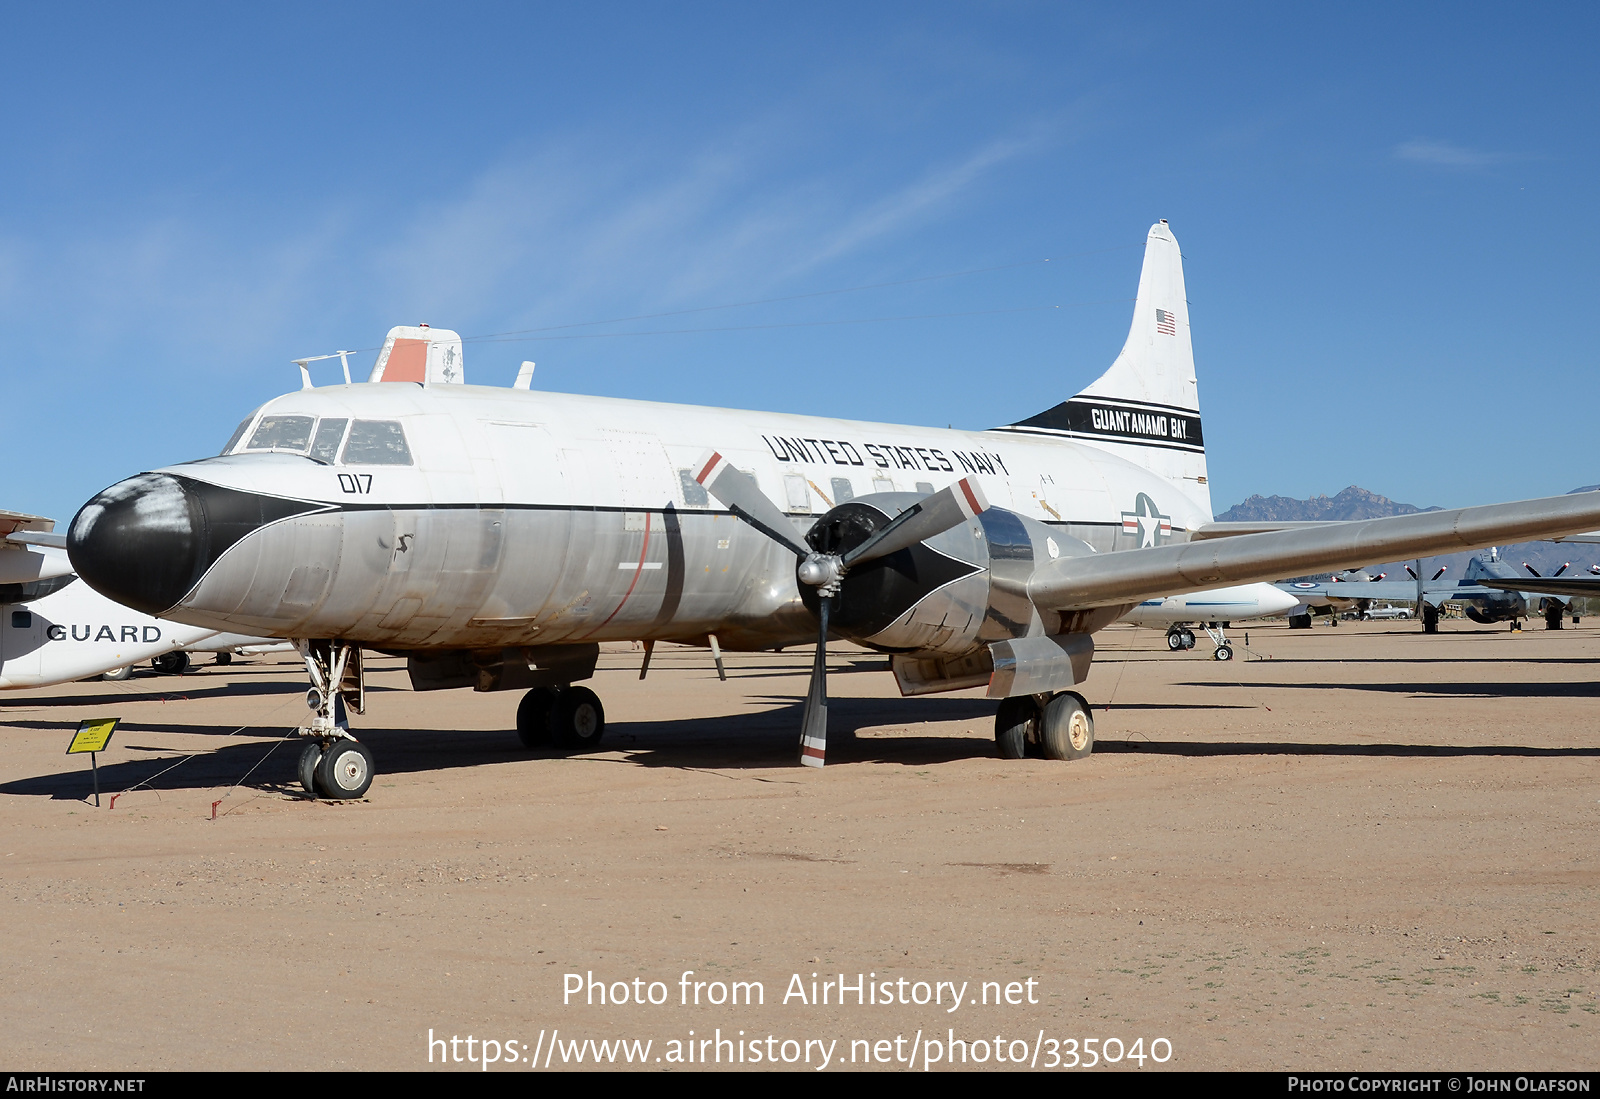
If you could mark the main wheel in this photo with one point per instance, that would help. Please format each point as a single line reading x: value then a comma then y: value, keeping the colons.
x: 1174, y: 640
x: 345, y: 770
x: 310, y: 756
x: 1552, y: 619
x: 577, y: 720
x: 1066, y: 730
x: 1016, y: 723
x: 533, y: 717
x: 117, y: 675
x: 173, y: 663
x: 1430, y: 618
x: 1224, y: 652
x: 224, y: 659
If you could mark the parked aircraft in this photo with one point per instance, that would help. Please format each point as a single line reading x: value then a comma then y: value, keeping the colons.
x: 54, y: 629
x: 497, y: 536
x: 1214, y: 611
x: 1485, y: 593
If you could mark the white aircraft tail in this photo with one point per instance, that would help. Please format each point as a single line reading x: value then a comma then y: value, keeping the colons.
x: 1146, y: 408
x: 421, y: 354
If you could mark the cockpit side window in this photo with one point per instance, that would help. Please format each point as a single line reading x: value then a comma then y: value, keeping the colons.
x: 238, y: 433
x: 282, y: 433
x: 325, y: 445
x: 377, y: 443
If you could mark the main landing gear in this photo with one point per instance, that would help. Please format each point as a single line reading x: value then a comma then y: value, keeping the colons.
x: 333, y: 764
x: 568, y: 718
x: 1182, y: 637
x: 1057, y: 726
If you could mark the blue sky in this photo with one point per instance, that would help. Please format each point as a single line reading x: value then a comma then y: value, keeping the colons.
x: 1386, y: 217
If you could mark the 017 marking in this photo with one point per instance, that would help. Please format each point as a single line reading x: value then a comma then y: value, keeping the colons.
x: 356, y: 482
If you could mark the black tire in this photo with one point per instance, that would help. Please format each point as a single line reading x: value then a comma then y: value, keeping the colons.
x: 1066, y: 729
x: 1015, y: 724
x: 173, y: 663
x: 1552, y: 619
x: 117, y: 675
x: 1430, y: 618
x: 1224, y: 652
x: 1299, y: 621
x: 1174, y: 640
x: 310, y: 756
x: 533, y: 718
x: 345, y: 770
x: 577, y: 720
x: 224, y: 659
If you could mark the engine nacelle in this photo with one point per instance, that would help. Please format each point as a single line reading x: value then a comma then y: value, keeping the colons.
x: 949, y: 595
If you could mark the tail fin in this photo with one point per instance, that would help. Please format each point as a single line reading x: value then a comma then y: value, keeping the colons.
x: 420, y: 354
x: 1146, y: 408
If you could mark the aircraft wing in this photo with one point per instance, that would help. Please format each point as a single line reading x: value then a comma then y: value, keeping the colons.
x: 1567, y: 586
x: 1131, y: 576
x: 1393, y: 591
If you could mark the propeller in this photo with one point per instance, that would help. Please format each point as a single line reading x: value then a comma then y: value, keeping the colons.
x: 930, y: 516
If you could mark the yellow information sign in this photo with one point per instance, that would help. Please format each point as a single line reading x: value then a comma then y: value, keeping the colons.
x: 93, y: 735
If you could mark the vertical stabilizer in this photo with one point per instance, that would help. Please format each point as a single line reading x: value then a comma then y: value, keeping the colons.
x: 1146, y: 408
x: 421, y: 354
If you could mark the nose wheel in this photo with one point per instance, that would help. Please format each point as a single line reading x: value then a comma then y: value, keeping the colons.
x: 333, y: 764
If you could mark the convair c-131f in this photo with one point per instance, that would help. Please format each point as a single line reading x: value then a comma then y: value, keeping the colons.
x: 496, y: 536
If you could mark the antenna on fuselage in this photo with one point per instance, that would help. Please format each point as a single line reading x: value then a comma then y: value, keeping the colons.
x: 305, y: 371
x: 524, y: 376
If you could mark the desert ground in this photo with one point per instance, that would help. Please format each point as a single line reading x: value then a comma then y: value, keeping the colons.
x: 1349, y: 848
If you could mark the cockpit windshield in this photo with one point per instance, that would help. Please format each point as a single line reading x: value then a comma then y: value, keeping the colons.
x: 370, y: 443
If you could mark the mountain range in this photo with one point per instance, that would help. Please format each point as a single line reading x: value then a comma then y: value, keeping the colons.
x: 1357, y: 503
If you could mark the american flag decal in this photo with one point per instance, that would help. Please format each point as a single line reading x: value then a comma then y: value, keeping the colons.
x: 1166, y: 323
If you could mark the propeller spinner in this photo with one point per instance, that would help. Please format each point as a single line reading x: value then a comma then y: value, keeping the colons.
x: 930, y: 516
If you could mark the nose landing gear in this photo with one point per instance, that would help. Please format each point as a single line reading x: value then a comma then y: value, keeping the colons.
x: 1182, y: 637
x: 333, y: 764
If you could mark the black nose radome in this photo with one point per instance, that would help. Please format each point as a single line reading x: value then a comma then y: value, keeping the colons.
x: 147, y: 541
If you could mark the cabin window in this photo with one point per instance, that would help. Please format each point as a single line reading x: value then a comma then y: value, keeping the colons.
x: 882, y: 484
x: 282, y: 433
x: 694, y: 493
x: 842, y: 490
x: 377, y: 443
x: 325, y: 444
x: 22, y: 620
x: 925, y: 487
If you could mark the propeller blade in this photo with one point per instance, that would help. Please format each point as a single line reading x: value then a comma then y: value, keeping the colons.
x: 1440, y: 573
x: 1531, y: 569
x: 814, y: 723
x: 1412, y: 572
x: 927, y: 517
x: 739, y: 493
x: 1562, y: 569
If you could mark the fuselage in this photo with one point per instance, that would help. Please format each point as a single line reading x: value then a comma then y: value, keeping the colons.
x: 1239, y: 603
x: 75, y: 632
x: 483, y: 517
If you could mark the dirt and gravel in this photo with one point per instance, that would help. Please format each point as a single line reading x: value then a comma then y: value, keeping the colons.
x: 1349, y: 848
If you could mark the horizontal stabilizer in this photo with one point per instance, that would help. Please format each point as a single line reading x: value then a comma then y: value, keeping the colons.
x: 1129, y: 576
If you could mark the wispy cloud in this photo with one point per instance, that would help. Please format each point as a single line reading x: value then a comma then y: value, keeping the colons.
x: 1446, y: 154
